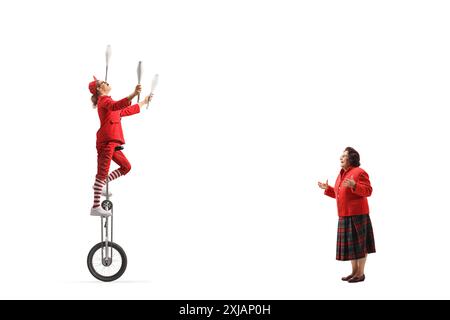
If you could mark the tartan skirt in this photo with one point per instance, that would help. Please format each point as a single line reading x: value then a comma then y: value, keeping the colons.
x: 354, y: 237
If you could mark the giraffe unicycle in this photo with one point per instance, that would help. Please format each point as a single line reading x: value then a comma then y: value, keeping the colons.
x: 107, y: 260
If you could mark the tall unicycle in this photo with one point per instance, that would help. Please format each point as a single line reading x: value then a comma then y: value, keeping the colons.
x: 107, y: 261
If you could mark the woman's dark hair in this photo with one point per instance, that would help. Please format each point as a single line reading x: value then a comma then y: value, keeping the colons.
x: 94, y: 100
x: 353, y: 157
x: 94, y: 97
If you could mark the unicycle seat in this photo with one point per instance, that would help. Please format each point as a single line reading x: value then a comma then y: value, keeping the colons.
x: 118, y: 148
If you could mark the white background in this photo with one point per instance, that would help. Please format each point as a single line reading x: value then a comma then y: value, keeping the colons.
x: 256, y: 102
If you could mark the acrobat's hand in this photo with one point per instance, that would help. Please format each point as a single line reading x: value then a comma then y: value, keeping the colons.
x: 146, y: 101
x: 149, y: 98
x: 137, y: 90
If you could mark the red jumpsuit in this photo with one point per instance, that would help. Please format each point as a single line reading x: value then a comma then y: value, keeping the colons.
x: 110, y: 134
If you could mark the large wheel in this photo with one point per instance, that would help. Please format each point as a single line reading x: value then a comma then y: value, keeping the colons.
x: 107, y: 270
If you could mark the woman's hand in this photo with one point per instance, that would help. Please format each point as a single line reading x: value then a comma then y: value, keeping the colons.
x: 137, y: 90
x: 146, y: 100
x: 323, y: 186
x: 349, y: 183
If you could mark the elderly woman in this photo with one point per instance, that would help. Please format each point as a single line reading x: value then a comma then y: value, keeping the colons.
x: 355, y: 235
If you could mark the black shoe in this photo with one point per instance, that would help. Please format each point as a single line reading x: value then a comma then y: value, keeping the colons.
x: 347, y: 277
x: 357, y: 279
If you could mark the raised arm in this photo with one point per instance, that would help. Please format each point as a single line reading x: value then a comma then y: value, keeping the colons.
x: 117, y: 105
x: 123, y: 103
x: 129, y: 111
x: 329, y: 191
x: 135, y: 108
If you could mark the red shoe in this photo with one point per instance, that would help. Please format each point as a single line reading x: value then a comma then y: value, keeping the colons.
x: 357, y: 279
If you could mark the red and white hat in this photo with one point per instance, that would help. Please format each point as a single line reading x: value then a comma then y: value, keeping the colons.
x: 93, y: 86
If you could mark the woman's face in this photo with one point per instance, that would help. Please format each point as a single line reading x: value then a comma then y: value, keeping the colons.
x: 345, y: 164
x: 104, y: 87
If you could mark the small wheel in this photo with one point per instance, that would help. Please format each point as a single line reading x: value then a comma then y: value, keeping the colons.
x: 107, y: 205
x: 105, y: 270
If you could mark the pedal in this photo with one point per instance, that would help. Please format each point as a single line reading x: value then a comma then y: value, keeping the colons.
x: 107, y: 205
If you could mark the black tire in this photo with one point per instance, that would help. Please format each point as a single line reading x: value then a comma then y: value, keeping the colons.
x: 116, y: 250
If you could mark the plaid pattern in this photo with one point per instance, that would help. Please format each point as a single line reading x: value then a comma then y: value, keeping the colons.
x: 354, y: 238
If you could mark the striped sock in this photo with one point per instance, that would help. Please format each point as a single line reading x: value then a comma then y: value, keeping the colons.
x: 98, y: 186
x: 114, y: 175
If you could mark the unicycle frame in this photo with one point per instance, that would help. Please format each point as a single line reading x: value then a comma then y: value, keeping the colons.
x: 105, y: 269
x: 107, y: 230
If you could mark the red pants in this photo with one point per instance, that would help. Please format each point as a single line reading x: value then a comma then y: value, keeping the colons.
x: 105, y: 153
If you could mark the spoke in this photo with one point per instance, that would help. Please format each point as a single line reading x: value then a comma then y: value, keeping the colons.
x: 113, y: 268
